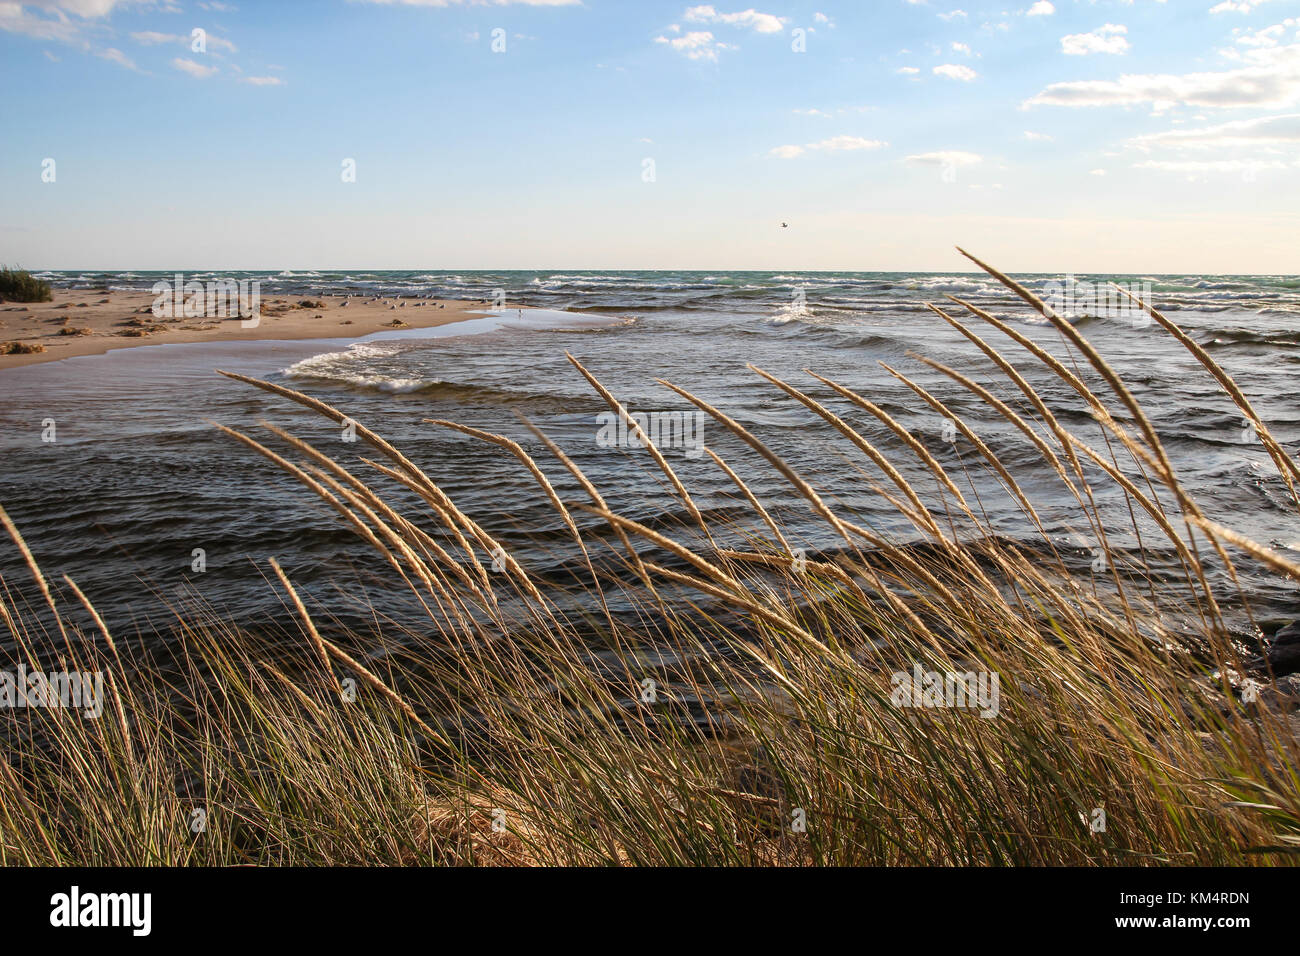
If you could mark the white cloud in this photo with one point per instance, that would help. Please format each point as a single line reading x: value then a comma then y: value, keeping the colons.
x: 840, y: 143
x: 1202, y: 167
x: 956, y: 71
x: 1273, y: 80
x: 152, y: 38
x: 1097, y: 172
x: 1037, y: 137
x: 1266, y: 37
x: 1237, y: 6
x: 221, y: 43
x: 1105, y: 39
x: 907, y: 70
x: 835, y: 144
x: 263, y: 80
x: 114, y: 55
x: 751, y: 18
x: 945, y: 158
x: 456, y: 3
x: 81, y: 8
x: 14, y: 19
x: 961, y: 48
x: 1040, y: 9
x: 953, y: 15
x: 837, y: 111
x: 696, y: 45
x: 74, y: 22
x: 1263, y: 131
x: 193, y: 69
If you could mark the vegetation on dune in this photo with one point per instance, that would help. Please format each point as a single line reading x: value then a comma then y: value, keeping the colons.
x: 20, y: 348
x: 684, y: 700
x: 18, y: 285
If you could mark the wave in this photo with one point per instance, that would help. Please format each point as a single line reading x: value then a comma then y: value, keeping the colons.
x: 957, y: 285
x: 1237, y: 336
x: 440, y: 389
x: 355, y: 368
x: 753, y: 293
x: 328, y: 363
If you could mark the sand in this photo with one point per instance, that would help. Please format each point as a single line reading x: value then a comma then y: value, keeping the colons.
x: 119, y: 320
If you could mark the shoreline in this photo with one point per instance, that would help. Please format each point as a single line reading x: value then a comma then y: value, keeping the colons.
x: 107, y: 321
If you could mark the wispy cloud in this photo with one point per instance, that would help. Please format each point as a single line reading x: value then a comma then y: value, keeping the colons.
x: 457, y: 3
x: 86, y: 9
x: 15, y: 19
x: 834, y: 144
x: 696, y: 45
x: 750, y: 19
x: 193, y: 69
x: 836, y: 111
x: 1237, y: 6
x: 153, y: 38
x: 1262, y: 131
x: 76, y: 23
x: 950, y: 157
x: 1199, y: 168
x: 956, y: 71
x: 114, y: 55
x: 1272, y: 80
x: 1105, y: 39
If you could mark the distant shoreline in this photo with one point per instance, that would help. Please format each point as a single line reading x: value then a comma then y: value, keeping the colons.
x: 118, y: 320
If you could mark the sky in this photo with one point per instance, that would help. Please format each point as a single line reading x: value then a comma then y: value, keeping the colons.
x: 1070, y: 136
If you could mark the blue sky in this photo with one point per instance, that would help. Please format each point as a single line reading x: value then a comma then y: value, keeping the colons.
x: 1070, y: 136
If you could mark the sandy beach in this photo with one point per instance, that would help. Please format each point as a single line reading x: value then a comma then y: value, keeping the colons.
x: 92, y: 322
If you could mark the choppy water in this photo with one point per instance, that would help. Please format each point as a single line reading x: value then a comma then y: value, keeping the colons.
x: 137, y: 479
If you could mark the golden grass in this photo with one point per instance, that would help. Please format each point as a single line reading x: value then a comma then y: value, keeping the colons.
x: 517, y: 721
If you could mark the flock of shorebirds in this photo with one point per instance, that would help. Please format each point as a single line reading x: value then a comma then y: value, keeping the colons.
x: 395, y: 303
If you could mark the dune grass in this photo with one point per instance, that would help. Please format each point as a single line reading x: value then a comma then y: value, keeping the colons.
x: 743, y: 711
x: 18, y: 285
